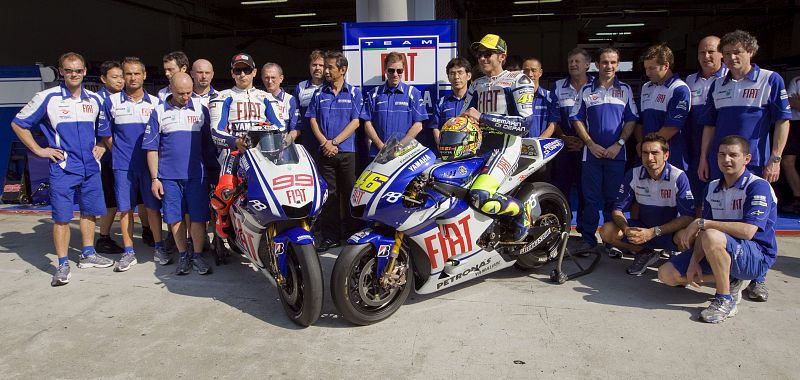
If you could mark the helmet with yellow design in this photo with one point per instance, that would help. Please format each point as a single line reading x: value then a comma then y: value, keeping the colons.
x: 460, y: 138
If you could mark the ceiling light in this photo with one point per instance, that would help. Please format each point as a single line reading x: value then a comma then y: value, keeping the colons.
x: 322, y: 24
x: 600, y: 39
x: 259, y: 2
x: 536, y: 2
x: 613, y: 33
x: 296, y: 15
x: 624, y: 25
x: 533, y: 14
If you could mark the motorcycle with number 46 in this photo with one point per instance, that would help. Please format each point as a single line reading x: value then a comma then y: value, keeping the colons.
x: 427, y: 237
x: 270, y: 215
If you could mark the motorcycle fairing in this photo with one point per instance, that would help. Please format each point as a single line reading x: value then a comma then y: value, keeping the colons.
x: 383, y: 246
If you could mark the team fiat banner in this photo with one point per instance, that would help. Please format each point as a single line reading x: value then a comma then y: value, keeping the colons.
x: 427, y: 45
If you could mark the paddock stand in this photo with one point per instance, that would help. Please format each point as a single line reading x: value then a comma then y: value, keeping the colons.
x: 557, y: 274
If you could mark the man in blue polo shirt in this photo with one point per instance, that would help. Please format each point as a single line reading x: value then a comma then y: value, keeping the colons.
x: 603, y: 117
x: 711, y: 67
x: 665, y: 103
x: 333, y: 114
x: 303, y: 93
x: 665, y: 202
x: 177, y: 135
x: 67, y: 115
x: 459, y: 73
x: 540, y: 102
x: 563, y: 98
x: 734, y: 241
x: 124, y: 118
x: 393, y: 109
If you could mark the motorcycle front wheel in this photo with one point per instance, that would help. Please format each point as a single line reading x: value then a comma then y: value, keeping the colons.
x: 358, y: 294
x: 301, y: 294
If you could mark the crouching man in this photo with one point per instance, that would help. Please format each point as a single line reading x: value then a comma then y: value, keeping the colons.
x: 734, y: 241
x: 665, y: 202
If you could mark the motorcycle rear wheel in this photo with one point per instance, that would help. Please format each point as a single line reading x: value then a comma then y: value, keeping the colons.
x: 301, y: 294
x: 555, y: 206
x: 356, y: 292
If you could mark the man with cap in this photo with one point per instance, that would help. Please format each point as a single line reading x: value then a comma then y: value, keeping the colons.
x: 500, y: 103
x: 233, y: 113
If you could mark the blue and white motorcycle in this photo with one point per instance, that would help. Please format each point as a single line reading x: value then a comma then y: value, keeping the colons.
x: 427, y: 237
x: 271, y: 215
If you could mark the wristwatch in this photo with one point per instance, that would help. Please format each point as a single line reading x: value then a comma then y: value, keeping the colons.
x: 701, y: 223
x: 155, y: 179
x: 775, y: 159
x: 334, y: 142
x: 621, y: 141
x: 657, y: 230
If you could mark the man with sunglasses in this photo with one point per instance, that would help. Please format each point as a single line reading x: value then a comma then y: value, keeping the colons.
x: 68, y: 116
x: 394, y: 109
x: 501, y: 103
x: 233, y: 112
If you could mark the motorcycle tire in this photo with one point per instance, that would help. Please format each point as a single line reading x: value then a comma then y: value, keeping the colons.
x: 553, y: 202
x: 354, y: 290
x: 301, y: 294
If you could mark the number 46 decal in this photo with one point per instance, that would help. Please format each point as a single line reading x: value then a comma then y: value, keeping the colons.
x: 370, y: 181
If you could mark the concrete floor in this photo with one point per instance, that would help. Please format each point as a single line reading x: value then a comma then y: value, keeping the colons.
x: 150, y: 323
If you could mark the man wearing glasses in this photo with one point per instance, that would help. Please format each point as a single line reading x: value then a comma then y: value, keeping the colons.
x: 459, y: 73
x: 68, y: 117
x: 394, y: 109
x: 501, y: 103
x: 233, y: 113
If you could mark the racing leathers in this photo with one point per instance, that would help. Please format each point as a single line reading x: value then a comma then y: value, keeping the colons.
x: 504, y: 102
x: 234, y: 112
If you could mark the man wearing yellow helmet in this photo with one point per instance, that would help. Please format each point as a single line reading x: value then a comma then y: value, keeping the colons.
x: 500, y: 102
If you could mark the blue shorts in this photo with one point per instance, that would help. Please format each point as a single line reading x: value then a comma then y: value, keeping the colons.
x: 748, y: 261
x: 63, y: 190
x: 658, y: 242
x: 128, y: 184
x: 183, y: 196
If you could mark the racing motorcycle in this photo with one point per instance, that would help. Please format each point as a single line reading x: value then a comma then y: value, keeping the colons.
x: 279, y: 194
x: 427, y: 237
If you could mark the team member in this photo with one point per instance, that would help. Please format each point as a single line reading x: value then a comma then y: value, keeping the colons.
x: 711, y: 67
x: 665, y: 103
x: 177, y: 135
x: 734, y: 241
x: 303, y: 93
x: 459, y: 73
x: 540, y: 102
x: 125, y: 115
x: 665, y: 202
x: 498, y: 102
x: 284, y: 105
x: 749, y: 102
x: 563, y: 98
x: 394, y: 109
x: 113, y: 82
x: 333, y: 114
x: 232, y: 114
x: 604, y: 117
x: 792, y: 150
x: 175, y: 62
x: 202, y: 74
x: 68, y: 117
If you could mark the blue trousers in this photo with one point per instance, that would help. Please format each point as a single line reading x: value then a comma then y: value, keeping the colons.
x: 600, y: 180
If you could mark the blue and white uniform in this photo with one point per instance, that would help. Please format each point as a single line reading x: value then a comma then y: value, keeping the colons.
x: 604, y: 112
x: 125, y: 120
x: 163, y: 93
x: 667, y: 105
x: 303, y: 94
x: 70, y: 125
x: 541, y: 104
x: 181, y: 136
x: 285, y: 106
x: 749, y: 108
x: 204, y: 99
x: 448, y: 107
x: 660, y: 200
x: 334, y: 112
x: 392, y: 111
x: 750, y: 200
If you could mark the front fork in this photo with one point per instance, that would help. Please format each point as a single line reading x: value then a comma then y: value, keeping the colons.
x: 278, y: 256
x: 385, y: 270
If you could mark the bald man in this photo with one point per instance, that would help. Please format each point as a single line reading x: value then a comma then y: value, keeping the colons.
x: 202, y: 74
x: 176, y: 136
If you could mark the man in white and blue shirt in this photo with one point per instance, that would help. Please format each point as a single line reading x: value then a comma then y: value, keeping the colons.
x: 734, y: 241
x: 303, y: 93
x: 540, y: 101
x: 665, y: 206
x: 176, y: 139
x: 604, y: 117
x: 124, y: 118
x: 67, y: 115
x: 173, y: 63
x: 711, y: 67
x: 284, y: 104
x: 665, y: 103
x: 459, y: 73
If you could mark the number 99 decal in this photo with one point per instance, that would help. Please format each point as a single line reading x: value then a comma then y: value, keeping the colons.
x: 370, y: 182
